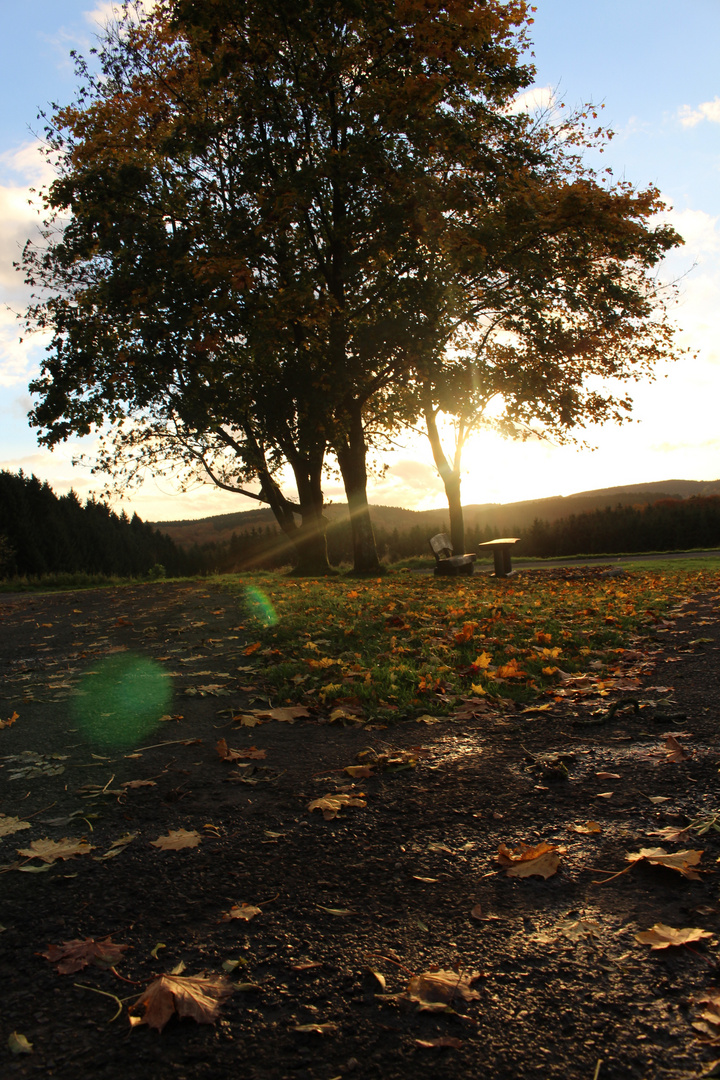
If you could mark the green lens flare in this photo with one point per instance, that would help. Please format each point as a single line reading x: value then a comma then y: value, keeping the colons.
x: 121, y: 700
x: 259, y: 606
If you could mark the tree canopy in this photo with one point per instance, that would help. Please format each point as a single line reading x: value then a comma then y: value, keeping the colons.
x: 279, y: 229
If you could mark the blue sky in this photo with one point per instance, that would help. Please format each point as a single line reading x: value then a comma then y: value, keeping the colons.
x: 652, y: 63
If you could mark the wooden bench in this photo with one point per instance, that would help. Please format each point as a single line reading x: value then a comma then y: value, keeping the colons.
x: 445, y: 561
x: 502, y: 549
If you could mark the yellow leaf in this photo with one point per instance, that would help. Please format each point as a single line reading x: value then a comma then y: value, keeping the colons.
x: 589, y: 827
x: 682, y: 861
x: 177, y: 839
x: 9, y: 825
x: 50, y: 850
x: 477, y: 689
x: 661, y: 936
x: 331, y: 805
x: 484, y: 660
x: 542, y: 860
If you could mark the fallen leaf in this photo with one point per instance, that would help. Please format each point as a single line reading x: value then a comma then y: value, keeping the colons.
x: 442, y: 986
x: 242, y: 911
x: 542, y: 860
x: 50, y: 850
x: 9, y: 825
x: 10, y: 720
x: 177, y: 839
x: 682, y: 861
x: 575, y: 929
x: 672, y: 833
x: 331, y: 805
x: 336, y: 910
x: 194, y: 996
x: 75, y: 955
x: 316, y: 1029
x: 362, y: 772
x: 660, y: 936
x: 445, y: 1041
x: 588, y: 828
x: 676, y: 751
x: 607, y: 775
x: 18, y: 1044
x: 138, y: 783
x: 286, y: 715
x: 227, y: 754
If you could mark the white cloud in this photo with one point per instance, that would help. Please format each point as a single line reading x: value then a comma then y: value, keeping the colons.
x: 707, y: 110
x: 536, y: 99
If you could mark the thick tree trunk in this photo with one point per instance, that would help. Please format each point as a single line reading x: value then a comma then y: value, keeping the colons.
x: 310, y: 540
x: 351, y: 454
x: 451, y: 481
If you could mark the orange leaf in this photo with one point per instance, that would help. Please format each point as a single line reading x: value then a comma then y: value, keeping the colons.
x: 196, y: 997
x: 526, y: 861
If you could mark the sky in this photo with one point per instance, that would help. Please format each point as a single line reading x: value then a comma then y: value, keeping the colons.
x: 652, y: 64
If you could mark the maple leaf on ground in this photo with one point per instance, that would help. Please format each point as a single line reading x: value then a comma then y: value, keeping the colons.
x: 331, y: 805
x: 242, y: 911
x: 661, y: 936
x: 177, y: 839
x: 50, y: 850
x: 442, y: 987
x: 682, y: 861
x: 228, y: 754
x: 75, y: 955
x: 285, y: 714
x: 10, y: 720
x: 9, y: 825
x: 195, y: 996
x: 542, y: 860
x: 675, y: 750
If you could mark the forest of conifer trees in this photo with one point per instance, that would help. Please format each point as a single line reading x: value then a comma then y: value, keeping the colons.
x: 42, y: 534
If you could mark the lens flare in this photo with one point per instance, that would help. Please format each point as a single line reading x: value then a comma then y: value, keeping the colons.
x: 259, y: 606
x: 121, y: 700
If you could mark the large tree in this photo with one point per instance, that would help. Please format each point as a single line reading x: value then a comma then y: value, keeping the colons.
x: 276, y: 222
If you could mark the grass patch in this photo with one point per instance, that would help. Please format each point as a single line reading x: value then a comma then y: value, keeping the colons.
x: 403, y: 645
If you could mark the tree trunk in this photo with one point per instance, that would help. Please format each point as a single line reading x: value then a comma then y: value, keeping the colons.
x: 450, y: 477
x: 351, y: 454
x: 310, y: 540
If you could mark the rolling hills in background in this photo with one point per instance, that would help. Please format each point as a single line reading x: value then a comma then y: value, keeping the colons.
x: 507, y: 518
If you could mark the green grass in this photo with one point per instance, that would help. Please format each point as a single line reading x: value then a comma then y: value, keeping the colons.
x: 406, y: 644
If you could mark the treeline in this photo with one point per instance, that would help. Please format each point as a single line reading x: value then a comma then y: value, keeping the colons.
x: 41, y: 533
x: 667, y: 525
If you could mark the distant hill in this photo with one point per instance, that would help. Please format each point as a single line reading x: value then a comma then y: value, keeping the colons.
x: 505, y: 517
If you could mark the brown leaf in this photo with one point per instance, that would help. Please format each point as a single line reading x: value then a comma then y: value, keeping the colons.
x: 676, y: 751
x: 682, y: 861
x: 9, y: 825
x: 177, y: 839
x: 316, y: 1029
x: 287, y: 715
x: 139, y: 783
x: 442, y: 986
x: 50, y: 850
x: 660, y: 936
x: 228, y: 754
x: 589, y: 828
x: 242, y: 911
x: 542, y: 860
x: 194, y: 996
x: 75, y: 955
x: 444, y: 1041
x: 331, y: 805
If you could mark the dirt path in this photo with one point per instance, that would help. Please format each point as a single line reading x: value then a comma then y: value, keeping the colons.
x: 350, y: 908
